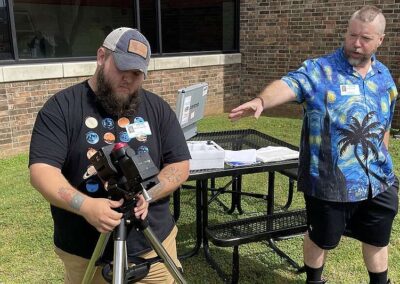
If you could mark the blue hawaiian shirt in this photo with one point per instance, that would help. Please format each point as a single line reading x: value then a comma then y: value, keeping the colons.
x: 342, y: 154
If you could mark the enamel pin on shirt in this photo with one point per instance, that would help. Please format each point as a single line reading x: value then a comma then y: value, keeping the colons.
x: 91, y: 171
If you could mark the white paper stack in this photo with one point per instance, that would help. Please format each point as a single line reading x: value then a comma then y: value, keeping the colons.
x: 274, y: 154
x: 240, y: 157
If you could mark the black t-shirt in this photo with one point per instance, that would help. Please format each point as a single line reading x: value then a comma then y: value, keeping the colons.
x: 71, y: 126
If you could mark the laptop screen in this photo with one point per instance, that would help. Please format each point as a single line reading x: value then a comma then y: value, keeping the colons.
x: 190, y: 106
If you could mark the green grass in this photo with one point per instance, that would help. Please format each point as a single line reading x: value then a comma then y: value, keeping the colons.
x: 26, y: 247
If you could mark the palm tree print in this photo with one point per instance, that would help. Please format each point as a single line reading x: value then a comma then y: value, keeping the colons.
x: 331, y: 178
x: 361, y: 135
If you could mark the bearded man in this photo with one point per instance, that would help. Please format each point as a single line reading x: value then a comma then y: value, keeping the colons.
x: 78, y: 121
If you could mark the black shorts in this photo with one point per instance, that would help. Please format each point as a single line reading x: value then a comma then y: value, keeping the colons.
x: 369, y: 221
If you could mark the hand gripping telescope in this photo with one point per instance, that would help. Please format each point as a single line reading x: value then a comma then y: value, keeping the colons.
x: 128, y: 174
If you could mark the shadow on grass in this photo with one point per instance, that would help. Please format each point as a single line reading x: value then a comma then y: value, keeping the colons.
x: 257, y: 262
x: 261, y: 266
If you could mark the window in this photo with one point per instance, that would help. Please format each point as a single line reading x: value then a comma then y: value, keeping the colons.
x: 46, y: 29
x: 56, y: 28
x: 148, y: 23
x: 202, y: 25
x: 5, y: 38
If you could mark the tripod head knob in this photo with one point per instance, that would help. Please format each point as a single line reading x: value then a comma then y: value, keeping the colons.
x: 119, y: 145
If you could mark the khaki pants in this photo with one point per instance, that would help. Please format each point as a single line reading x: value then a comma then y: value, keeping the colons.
x: 75, y: 266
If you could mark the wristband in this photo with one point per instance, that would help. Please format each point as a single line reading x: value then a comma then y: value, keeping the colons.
x: 262, y: 100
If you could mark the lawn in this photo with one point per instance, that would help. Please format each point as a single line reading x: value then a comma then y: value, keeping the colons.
x: 26, y: 250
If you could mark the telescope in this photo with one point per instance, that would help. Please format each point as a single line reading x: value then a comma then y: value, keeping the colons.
x: 127, y: 175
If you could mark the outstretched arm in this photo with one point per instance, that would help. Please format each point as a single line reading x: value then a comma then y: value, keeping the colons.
x: 276, y: 93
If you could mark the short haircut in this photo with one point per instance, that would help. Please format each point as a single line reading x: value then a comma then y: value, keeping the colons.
x: 107, y: 52
x: 367, y: 14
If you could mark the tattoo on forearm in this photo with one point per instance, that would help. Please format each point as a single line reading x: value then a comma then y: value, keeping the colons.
x: 77, y: 201
x: 74, y: 199
x: 173, y: 175
x: 170, y: 175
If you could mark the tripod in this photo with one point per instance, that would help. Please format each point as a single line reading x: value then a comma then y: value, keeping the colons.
x: 120, y: 266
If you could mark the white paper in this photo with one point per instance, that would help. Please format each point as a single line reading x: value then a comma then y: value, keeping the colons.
x: 242, y: 156
x: 273, y: 154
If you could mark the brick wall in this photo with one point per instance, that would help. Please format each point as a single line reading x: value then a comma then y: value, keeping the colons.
x: 19, y: 104
x: 20, y: 101
x: 276, y: 36
x: 223, y: 81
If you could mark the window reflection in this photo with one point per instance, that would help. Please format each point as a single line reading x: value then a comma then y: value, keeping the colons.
x: 67, y: 28
x: 200, y: 25
x: 148, y: 23
x: 70, y: 28
x: 5, y: 39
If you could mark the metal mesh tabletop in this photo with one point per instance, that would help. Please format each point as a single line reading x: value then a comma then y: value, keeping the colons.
x: 241, y: 139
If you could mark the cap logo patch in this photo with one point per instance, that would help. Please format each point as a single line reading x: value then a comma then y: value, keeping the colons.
x: 138, y: 48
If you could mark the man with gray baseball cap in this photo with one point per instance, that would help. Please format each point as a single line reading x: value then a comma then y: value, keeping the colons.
x: 131, y: 50
x: 78, y: 121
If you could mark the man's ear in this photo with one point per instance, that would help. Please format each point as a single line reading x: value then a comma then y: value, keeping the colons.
x: 381, y: 39
x: 101, y: 56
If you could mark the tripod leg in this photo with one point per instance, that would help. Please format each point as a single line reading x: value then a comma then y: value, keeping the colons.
x: 120, y: 255
x: 97, y: 253
x: 162, y: 253
x: 119, y: 262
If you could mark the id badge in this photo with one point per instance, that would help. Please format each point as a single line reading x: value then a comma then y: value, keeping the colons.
x: 349, y: 90
x: 138, y: 129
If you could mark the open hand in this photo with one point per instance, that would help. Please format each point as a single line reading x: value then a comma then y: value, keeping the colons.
x: 251, y: 108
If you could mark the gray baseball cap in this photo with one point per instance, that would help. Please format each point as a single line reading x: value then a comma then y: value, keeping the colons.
x: 131, y: 50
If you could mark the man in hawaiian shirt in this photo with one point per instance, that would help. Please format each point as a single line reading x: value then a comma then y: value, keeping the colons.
x: 345, y: 170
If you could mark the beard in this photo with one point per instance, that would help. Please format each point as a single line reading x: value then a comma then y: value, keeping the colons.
x: 358, y: 62
x: 111, y: 102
